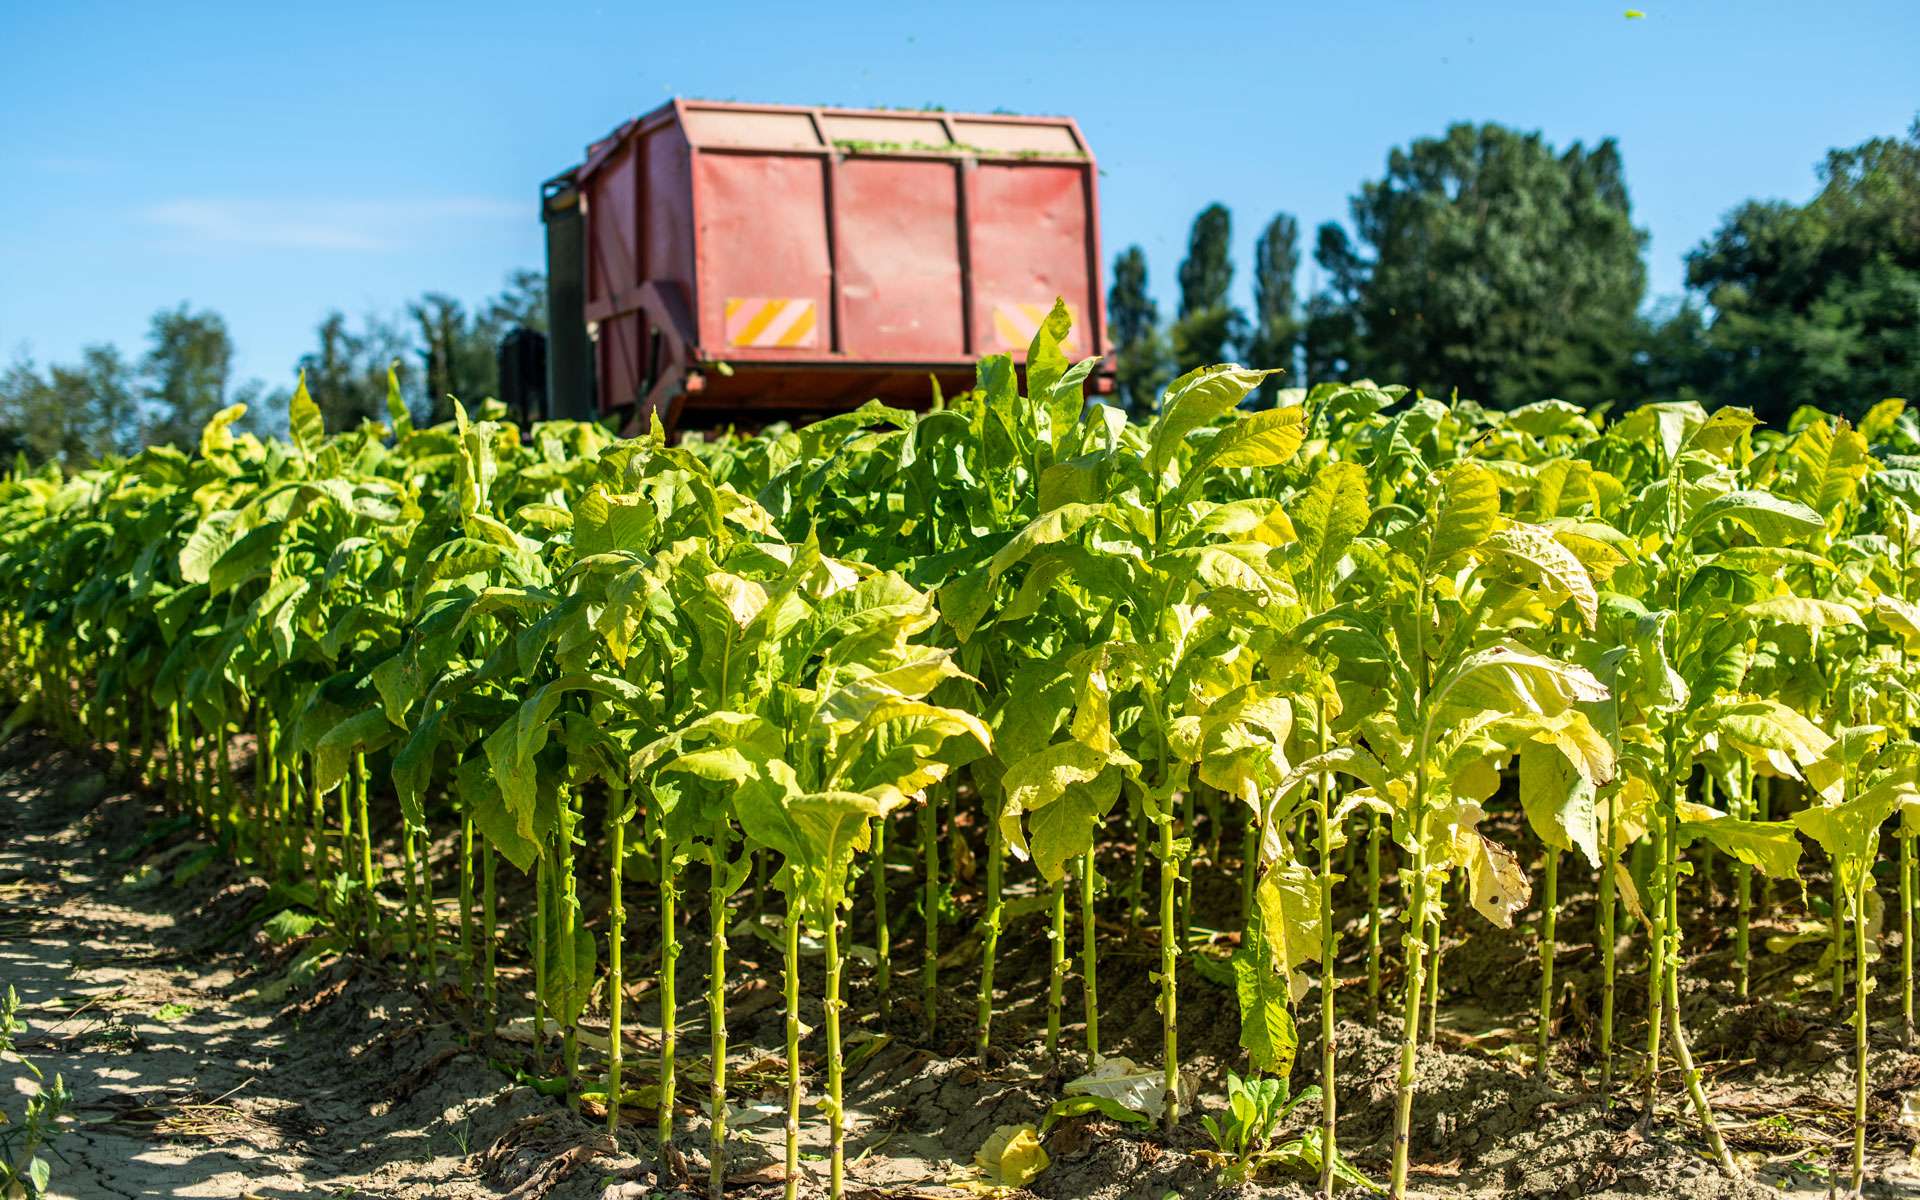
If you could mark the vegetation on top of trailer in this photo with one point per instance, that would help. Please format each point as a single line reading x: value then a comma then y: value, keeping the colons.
x: 1017, y: 616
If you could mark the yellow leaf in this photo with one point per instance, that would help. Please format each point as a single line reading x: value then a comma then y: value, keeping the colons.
x: 1012, y: 1156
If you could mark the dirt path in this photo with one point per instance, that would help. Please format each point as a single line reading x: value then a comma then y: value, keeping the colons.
x: 200, y: 1070
x: 186, y: 1083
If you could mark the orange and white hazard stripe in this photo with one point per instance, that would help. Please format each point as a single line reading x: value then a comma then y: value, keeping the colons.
x: 1015, y: 324
x: 780, y: 323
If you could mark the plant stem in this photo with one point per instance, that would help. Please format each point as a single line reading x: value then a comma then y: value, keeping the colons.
x: 1169, y: 965
x: 836, y: 1116
x: 1089, y: 886
x: 540, y: 992
x: 1860, y: 984
x: 669, y: 956
x: 1702, y: 1109
x: 1415, y: 945
x: 930, y: 911
x: 717, y: 1002
x: 1836, y: 928
x: 466, y: 902
x: 1656, y: 966
x: 1329, y: 952
x: 882, y: 935
x: 1608, y: 940
x: 991, y: 945
x: 1549, y: 914
x: 792, y: 931
x: 1057, y: 958
x: 489, y: 924
x: 1906, y: 943
x: 616, y: 926
x: 361, y: 777
x: 1373, y: 915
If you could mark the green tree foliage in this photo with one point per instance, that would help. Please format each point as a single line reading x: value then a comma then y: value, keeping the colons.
x: 188, y: 361
x: 1209, y: 327
x: 1490, y: 264
x: 1133, y: 320
x: 1275, y: 339
x: 347, y: 372
x: 70, y: 414
x: 1812, y: 303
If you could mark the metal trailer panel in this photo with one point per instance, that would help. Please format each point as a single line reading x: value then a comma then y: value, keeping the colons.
x: 752, y: 262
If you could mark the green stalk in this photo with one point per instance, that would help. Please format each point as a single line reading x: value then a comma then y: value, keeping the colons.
x: 569, y: 904
x: 1860, y: 983
x: 1249, y: 871
x: 1186, y: 867
x: 930, y: 911
x: 429, y: 919
x: 539, y: 950
x: 793, y: 1044
x: 489, y: 918
x: 882, y: 935
x: 1169, y: 965
x: 1836, y: 929
x: 1136, y: 883
x: 1656, y: 968
x: 1605, y: 906
x: 1415, y: 945
x: 1089, y: 886
x: 669, y: 956
x: 717, y: 1001
x: 836, y: 1115
x: 1434, y: 947
x: 1549, y: 914
x: 1373, y: 915
x: 346, y: 825
x: 995, y: 852
x: 1057, y: 977
x: 361, y: 777
x: 466, y: 902
x: 1329, y: 952
x: 1702, y: 1109
x: 1906, y: 943
x: 616, y: 927
x: 413, y: 902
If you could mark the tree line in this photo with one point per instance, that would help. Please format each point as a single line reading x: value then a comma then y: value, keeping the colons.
x: 1483, y: 264
x: 110, y: 403
x: 1486, y: 264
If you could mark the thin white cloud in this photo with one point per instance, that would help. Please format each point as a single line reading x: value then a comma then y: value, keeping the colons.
x: 338, y: 225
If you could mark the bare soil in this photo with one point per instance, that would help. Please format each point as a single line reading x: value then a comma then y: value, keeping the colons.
x: 209, y: 1061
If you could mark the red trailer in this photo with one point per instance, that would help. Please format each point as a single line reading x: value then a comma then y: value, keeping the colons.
x: 744, y: 263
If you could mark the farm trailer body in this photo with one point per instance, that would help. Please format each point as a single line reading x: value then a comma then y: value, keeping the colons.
x: 737, y: 264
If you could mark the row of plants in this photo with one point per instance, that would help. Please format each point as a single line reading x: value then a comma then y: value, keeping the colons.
x: 1310, y: 646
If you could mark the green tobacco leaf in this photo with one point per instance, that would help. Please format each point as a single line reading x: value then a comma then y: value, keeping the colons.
x: 1327, y: 515
x: 1080, y: 1106
x: 1559, y: 800
x: 1806, y: 612
x: 1509, y: 678
x: 1267, y: 1030
x: 1767, y: 516
x: 1767, y: 846
x: 1262, y: 439
x: 1467, y: 512
x: 304, y: 424
x: 1197, y: 398
x: 1548, y: 564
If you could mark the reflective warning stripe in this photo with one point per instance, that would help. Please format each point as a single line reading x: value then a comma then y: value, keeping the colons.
x: 1015, y: 324
x: 759, y: 321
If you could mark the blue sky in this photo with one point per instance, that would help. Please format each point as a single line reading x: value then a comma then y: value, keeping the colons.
x: 276, y: 161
